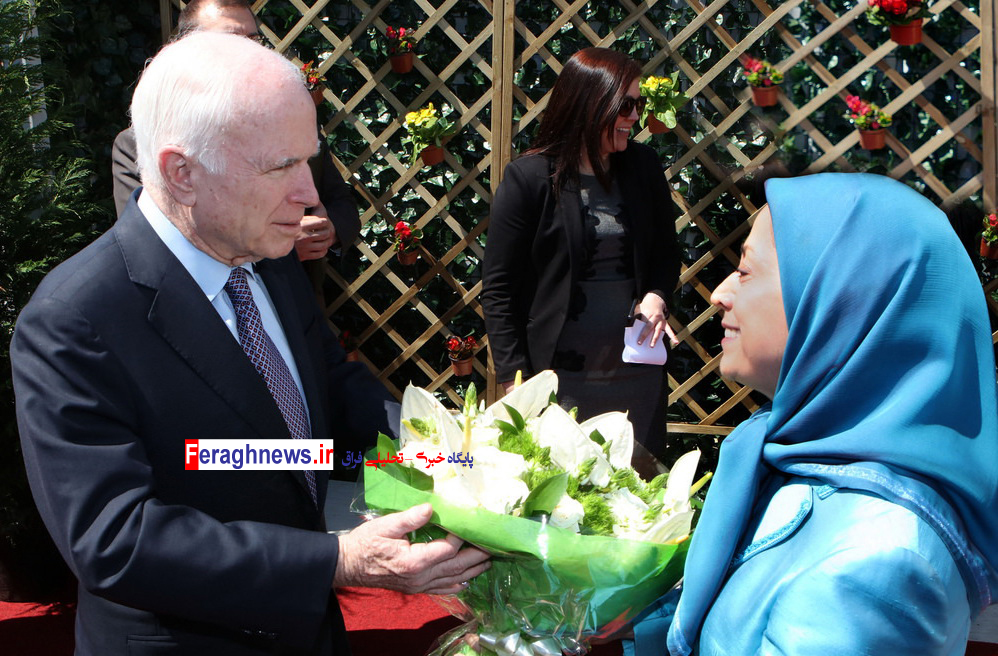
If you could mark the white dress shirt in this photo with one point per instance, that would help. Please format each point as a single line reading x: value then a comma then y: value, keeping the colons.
x: 211, y: 276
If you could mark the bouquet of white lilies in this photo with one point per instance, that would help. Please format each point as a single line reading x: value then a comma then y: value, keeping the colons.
x: 580, y: 543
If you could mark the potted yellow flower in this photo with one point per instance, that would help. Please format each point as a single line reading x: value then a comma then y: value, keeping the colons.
x: 662, y: 99
x: 427, y: 129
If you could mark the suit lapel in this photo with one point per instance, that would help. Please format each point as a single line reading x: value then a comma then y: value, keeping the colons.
x: 568, y: 213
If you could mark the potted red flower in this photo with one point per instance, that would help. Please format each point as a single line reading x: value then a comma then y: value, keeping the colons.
x: 401, y: 43
x: 313, y: 81
x: 407, y: 242
x: 460, y: 351
x: 764, y: 78
x: 351, y: 345
x: 870, y: 120
x: 904, y: 17
x: 989, y: 238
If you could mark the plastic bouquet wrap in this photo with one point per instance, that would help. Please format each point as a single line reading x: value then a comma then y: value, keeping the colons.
x: 580, y: 543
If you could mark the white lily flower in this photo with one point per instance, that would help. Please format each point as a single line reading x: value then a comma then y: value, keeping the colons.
x: 570, y: 447
x: 668, y: 528
x: 529, y: 399
x: 497, y: 465
x: 418, y: 403
x: 677, y: 487
x: 617, y: 430
x: 567, y: 514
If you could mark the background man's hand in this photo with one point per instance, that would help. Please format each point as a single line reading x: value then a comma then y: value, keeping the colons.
x: 377, y: 554
x: 317, y: 235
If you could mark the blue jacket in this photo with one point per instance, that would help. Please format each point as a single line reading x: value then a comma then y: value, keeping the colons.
x: 830, y: 571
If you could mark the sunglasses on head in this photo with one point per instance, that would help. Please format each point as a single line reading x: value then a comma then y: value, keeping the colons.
x: 628, y: 105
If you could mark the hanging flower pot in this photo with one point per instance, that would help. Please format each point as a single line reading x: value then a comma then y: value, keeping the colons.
x: 872, y: 139
x: 408, y: 258
x: 461, y: 353
x: 461, y: 367
x: 432, y: 155
x: 656, y: 126
x: 765, y: 96
x: 402, y: 63
x: 353, y: 356
x: 316, y: 94
x: 907, y: 35
x: 989, y: 251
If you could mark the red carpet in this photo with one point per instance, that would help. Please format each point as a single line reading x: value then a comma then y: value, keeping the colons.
x: 379, y: 621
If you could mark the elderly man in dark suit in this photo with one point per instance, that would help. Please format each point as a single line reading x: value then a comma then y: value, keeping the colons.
x: 189, y: 319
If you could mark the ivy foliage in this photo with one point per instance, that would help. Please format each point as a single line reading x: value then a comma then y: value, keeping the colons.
x: 47, y: 211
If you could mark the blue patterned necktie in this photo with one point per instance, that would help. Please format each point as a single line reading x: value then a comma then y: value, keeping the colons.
x: 268, y: 362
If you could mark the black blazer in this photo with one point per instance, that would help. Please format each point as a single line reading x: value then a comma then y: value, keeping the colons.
x: 536, y: 252
x: 117, y: 359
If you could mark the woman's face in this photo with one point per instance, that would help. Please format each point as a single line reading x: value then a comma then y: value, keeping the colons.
x: 622, y: 125
x: 755, y: 324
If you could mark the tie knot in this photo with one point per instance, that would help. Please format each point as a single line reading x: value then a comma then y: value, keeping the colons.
x: 237, y: 287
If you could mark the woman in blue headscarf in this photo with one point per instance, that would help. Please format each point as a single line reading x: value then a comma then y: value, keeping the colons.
x: 856, y: 513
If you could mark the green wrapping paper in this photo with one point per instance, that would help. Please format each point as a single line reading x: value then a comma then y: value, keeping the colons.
x: 545, y: 582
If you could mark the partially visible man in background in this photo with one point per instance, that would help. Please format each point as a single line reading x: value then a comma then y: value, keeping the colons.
x: 332, y: 222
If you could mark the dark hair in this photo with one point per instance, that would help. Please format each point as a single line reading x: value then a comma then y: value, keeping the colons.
x: 582, y: 109
x: 190, y: 14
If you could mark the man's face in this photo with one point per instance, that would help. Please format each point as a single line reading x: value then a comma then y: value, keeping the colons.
x: 230, y: 20
x: 252, y: 209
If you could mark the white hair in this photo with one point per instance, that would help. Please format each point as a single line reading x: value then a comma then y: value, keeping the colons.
x: 194, y: 90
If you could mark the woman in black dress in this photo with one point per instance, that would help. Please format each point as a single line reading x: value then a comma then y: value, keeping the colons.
x: 582, y: 229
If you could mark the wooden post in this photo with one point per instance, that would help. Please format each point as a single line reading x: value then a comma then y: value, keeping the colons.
x: 503, y: 43
x: 989, y: 81
x: 165, y: 20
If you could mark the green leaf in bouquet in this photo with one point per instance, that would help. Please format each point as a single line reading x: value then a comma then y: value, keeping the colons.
x: 408, y: 475
x: 597, y: 437
x: 517, y: 418
x: 545, y: 497
x: 387, y: 446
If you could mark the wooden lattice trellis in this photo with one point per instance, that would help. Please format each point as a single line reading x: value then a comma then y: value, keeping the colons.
x: 721, y: 139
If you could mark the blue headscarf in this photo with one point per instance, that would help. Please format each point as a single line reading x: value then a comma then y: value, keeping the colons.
x: 887, y: 383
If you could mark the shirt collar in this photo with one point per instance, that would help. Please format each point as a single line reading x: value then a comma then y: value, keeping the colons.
x: 210, y: 274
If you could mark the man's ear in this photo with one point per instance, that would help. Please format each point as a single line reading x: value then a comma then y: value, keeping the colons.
x: 175, y: 168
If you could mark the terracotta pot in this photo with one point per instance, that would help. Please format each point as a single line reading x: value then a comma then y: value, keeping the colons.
x: 872, y: 139
x: 461, y: 367
x: 989, y: 251
x: 432, y: 155
x: 353, y: 356
x: 408, y: 257
x: 907, y: 35
x: 656, y: 126
x: 402, y: 63
x: 765, y: 96
x: 317, y: 95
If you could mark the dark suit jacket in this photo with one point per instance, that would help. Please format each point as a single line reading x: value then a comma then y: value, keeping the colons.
x: 333, y: 192
x: 536, y: 252
x: 117, y: 359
